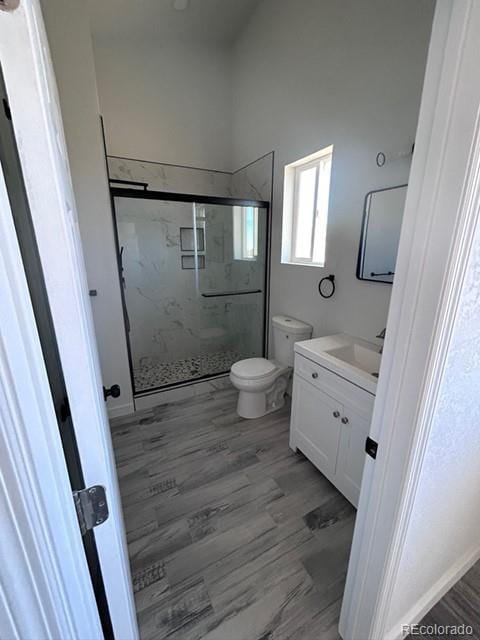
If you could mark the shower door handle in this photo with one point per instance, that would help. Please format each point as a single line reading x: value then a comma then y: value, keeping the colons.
x: 122, y: 292
x: 219, y: 294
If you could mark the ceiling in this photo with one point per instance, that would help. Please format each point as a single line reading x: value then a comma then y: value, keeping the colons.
x: 205, y: 21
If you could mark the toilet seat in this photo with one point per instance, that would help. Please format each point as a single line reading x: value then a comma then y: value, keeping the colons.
x: 253, y: 368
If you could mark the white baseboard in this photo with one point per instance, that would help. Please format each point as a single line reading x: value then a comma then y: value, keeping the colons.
x: 436, y: 593
x: 121, y: 410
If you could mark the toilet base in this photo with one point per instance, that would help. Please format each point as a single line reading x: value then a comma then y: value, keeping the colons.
x: 253, y: 404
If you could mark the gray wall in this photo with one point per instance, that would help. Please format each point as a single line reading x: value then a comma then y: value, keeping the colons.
x: 70, y: 43
x: 164, y: 101
x: 311, y: 73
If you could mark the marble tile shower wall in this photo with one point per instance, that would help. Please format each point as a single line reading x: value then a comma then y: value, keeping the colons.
x: 176, y: 179
x: 169, y: 319
x: 253, y: 181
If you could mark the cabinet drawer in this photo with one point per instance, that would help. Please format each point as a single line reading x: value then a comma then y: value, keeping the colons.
x: 307, y: 369
x: 334, y: 385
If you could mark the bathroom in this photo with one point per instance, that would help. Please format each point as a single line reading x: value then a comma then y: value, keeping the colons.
x: 239, y: 522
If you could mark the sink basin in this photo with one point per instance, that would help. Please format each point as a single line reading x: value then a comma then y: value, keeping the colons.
x: 351, y: 358
x: 358, y: 356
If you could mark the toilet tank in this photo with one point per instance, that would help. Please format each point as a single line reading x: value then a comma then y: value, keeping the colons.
x: 287, y: 331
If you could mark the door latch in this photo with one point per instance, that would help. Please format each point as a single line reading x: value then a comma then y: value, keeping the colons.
x: 371, y: 447
x: 91, y: 507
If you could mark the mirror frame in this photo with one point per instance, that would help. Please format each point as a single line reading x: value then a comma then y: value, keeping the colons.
x: 363, y: 234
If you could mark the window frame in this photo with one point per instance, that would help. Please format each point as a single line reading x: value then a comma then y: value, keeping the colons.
x: 293, y: 174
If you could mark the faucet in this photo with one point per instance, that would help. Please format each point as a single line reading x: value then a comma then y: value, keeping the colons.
x: 381, y: 335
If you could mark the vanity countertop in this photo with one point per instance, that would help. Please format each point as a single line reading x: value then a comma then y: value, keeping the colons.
x: 354, y: 359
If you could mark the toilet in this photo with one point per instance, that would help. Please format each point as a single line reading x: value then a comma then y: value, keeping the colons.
x: 262, y: 383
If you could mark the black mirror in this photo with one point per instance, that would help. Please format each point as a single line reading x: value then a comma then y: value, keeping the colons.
x: 382, y: 221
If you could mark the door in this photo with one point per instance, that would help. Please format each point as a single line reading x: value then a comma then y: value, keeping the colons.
x: 351, y: 453
x: 36, y: 286
x: 43, y: 158
x: 232, y: 284
x: 193, y: 275
x: 315, y: 421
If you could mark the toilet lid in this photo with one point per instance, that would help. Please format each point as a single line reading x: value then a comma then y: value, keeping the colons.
x: 253, y: 368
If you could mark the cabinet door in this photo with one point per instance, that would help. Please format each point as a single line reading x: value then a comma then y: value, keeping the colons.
x: 315, y: 430
x: 351, y: 454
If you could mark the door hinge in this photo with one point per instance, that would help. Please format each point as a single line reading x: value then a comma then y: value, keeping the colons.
x: 91, y: 506
x: 371, y: 447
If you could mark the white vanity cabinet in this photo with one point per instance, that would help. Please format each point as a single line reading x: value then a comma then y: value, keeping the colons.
x: 330, y: 423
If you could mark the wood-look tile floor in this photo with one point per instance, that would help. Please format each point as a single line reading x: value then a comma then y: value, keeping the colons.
x: 460, y: 606
x: 231, y: 535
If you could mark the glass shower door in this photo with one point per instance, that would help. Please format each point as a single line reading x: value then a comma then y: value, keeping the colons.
x: 193, y: 286
x: 230, y: 284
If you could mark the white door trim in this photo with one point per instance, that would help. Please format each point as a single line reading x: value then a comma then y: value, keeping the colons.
x: 442, y: 210
x: 45, y: 586
x: 30, y: 84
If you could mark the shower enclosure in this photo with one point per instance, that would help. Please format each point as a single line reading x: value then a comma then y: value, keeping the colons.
x: 193, y: 273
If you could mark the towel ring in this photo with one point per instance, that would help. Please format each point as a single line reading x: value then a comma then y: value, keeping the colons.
x: 380, y: 159
x: 326, y: 286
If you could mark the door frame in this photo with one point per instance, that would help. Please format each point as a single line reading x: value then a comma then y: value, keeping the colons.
x: 66, y: 599
x: 50, y: 592
x: 442, y: 210
x: 48, y: 342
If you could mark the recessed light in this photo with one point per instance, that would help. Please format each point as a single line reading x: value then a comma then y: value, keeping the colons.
x: 180, y: 5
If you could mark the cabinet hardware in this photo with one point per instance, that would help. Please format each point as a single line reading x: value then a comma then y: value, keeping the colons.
x: 344, y: 420
x: 336, y: 414
x: 314, y: 375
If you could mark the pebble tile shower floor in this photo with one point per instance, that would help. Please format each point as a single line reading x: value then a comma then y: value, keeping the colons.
x: 153, y: 376
x: 231, y: 535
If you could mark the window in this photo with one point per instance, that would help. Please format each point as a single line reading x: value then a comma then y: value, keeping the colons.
x: 245, y: 233
x: 306, y: 194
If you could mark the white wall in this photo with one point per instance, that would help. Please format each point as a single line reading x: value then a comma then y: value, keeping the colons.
x: 166, y: 102
x: 311, y: 73
x: 71, y: 49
